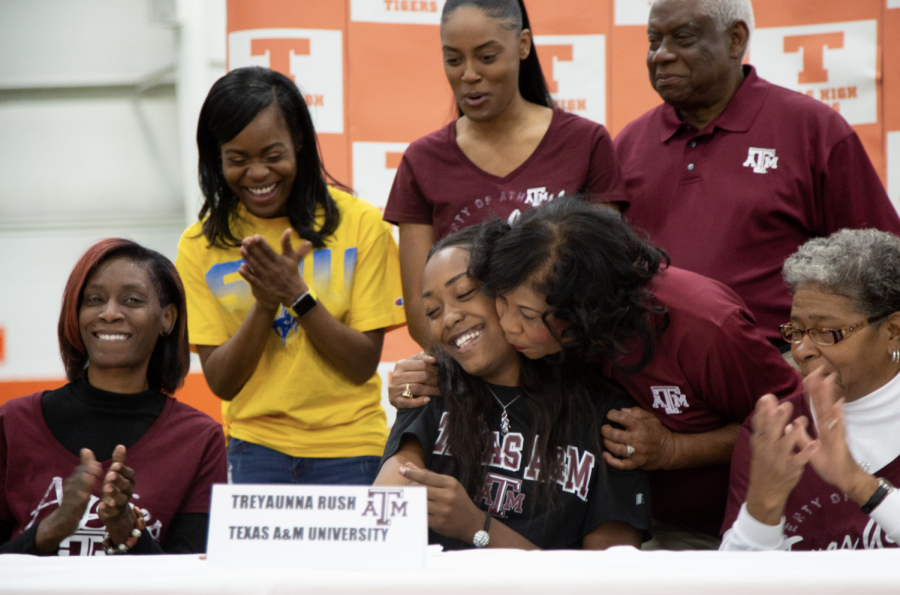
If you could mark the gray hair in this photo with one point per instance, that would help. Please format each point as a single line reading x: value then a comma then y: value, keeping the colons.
x: 724, y: 13
x: 862, y: 265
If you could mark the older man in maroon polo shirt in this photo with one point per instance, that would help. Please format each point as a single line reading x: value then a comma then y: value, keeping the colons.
x: 732, y: 174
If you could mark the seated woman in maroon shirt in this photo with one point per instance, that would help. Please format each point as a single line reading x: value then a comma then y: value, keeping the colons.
x: 815, y: 471
x: 508, y: 151
x: 110, y: 463
x: 572, y: 280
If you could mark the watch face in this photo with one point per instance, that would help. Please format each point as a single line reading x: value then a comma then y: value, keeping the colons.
x: 303, y: 305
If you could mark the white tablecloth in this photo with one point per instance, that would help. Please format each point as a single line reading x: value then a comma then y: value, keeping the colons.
x: 621, y: 571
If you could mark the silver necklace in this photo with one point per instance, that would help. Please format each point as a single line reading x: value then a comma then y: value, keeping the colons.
x: 504, y: 418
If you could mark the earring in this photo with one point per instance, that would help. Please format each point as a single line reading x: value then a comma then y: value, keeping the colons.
x: 895, y: 356
x: 165, y: 333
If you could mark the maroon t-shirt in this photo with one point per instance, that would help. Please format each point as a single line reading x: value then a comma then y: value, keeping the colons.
x: 708, y: 370
x: 436, y: 184
x: 735, y: 199
x: 175, y: 464
x: 818, y: 516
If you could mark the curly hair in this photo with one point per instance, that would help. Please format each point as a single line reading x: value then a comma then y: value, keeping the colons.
x: 593, y: 270
x: 862, y: 265
x: 170, y: 360
x: 561, y: 400
x: 232, y: 103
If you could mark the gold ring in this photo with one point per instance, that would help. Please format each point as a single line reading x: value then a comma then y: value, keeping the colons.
x: 832, y: 423
x: 407, y: 393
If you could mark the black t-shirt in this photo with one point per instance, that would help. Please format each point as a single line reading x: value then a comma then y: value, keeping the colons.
x: 588, y: 494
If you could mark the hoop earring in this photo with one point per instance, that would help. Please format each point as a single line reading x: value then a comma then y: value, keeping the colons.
x: 895, y: 355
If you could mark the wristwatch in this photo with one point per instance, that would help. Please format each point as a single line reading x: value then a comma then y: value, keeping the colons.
x: 884, y: 488
x: 303, y: 304
x: 481, y: 538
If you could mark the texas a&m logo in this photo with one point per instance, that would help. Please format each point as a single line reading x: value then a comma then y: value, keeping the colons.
x: 575, y: 69
x: 669, y: 398
x: 312, y: 58
x: 385, y: 504
x: 761, y: 160
x: 835, y: 63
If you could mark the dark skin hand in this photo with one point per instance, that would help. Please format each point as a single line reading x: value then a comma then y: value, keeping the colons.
x: 453, y: 514
x: 419, y: 373
x: 115, y: 508
x: 653, y: 443
x: 64, y: 521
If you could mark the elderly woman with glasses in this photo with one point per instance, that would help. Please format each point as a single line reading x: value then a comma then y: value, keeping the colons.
x: 815, y: 471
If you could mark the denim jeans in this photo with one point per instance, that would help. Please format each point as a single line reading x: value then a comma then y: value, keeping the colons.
x: 252, y: 463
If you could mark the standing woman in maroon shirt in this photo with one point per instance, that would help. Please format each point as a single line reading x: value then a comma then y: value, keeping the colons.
x: 509, y: 150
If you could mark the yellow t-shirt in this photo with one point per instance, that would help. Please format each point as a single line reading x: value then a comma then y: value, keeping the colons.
x: 296, y: 402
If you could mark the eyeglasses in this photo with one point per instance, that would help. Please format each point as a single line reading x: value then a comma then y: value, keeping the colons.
x: 821, y: 336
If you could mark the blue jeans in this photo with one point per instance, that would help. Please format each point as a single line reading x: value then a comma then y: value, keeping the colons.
x: 252, y: 463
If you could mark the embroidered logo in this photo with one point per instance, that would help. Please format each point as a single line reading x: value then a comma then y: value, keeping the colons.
x: 669, y: 398
x: 761, y: 160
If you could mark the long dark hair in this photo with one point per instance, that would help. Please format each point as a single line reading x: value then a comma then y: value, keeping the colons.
x: 593, y: 269
x: 232, y: 103
x: 170, y: 360
x: 532, y: 85
x: 560, y: 400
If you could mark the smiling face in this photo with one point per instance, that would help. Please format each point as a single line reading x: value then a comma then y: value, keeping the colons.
x: 482, y: 55
x: 120, y: 320
x: 861, y: 360
x: 521, y: 312
x: 464, y: 320
x: 691, y: 62
x: 260, y: 164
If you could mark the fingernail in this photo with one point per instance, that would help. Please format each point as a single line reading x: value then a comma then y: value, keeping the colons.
x: 402, y: 470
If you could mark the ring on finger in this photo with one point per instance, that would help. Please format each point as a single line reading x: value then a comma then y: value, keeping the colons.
x: 629, y: 450
x: 832, y: 423
x: 407, y: 393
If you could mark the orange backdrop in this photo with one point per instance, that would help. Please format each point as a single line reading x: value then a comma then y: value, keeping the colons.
x: 371, y: 73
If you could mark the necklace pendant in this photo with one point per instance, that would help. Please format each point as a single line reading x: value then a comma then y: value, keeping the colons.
x: 504, y: 423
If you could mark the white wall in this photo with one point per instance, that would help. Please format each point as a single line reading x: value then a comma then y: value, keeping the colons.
x: 89, y: 148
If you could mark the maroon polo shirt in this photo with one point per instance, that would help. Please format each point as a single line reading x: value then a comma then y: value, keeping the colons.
x: 735, y: 199
x: 436, y: 184
x: 708, y: 370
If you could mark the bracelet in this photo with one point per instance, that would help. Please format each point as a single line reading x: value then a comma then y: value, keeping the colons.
x: 481, y: 538
x: 884, y: 488
x: 139, y: 525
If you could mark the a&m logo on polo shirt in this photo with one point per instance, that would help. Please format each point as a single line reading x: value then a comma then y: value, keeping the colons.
x: 575, y: 69
x: 835, y: 63
x: 669, y: 398
x: 312, y: 58
x: 761, y: 160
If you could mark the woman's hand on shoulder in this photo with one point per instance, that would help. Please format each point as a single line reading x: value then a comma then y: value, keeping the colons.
x: 64, y: 521
x: 652, y: 443
x: 450, y: 510
x: 115, y: 501
x: 418, y: 374
x: 274, y: 278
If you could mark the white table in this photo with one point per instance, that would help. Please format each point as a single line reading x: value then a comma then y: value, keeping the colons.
x: 621, y: 571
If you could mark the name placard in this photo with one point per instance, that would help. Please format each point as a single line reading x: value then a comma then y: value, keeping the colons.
x: 322, y: 527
